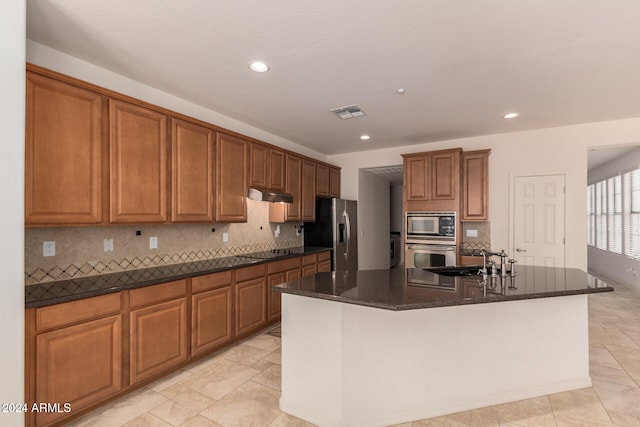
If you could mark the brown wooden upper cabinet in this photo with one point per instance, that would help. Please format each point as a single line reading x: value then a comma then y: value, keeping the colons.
x: 192, y: 172
x: 475, y: 185
x: 327, y: 181
x: 232, y: 161
x: 64, y: 153
x: 293, y: 211
x: 138, y: 163
x: 432, y: 180
x: 267, y: 168
x: 334, y: 182
x: 308, y: 190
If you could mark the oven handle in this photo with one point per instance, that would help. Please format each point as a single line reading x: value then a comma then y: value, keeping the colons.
x: 432, y: 248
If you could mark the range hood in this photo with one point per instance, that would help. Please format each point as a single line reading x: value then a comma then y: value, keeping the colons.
x: 269, y: 196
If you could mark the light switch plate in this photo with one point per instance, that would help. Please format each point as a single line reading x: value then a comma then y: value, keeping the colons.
x: 225, y: 237
x: 153, y: 242
x: 472, y: 233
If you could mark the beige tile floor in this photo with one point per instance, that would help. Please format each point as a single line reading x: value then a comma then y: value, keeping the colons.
x: 241, y: 386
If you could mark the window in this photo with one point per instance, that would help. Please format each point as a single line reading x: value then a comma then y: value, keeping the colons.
x: 632, y: 213
x: 601, y: 215
x: 614, y: 208
x: 591, y: 216
x: 613, y: 214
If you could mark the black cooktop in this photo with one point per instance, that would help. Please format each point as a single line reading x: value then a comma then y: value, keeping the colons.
x: 274, y: 253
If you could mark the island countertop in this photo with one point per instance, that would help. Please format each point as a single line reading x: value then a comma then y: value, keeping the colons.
x: 395, y: 289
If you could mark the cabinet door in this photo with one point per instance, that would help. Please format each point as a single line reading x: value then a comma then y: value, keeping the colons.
x: 80, y: 365
x: 259, y: 170
x: 210, y: 320
x: 251, y: 310
x: 334, y: 182
x: 63, y: 153
x: 158, y: 339
x: 192, y: 161
x: 445, y: 170
x: 276, y: 170
x: 275, y: 298
x: 475, y: 185
x: 416, y: 173
x: 308, y: 190
x: 294, y: 187
x: 274, y: 305
x: 138, y: 149
x: 324, y: 261
x: 322, y: 180
x: 231, y: 178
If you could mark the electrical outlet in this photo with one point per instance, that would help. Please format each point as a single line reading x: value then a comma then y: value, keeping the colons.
x: 108, y: 245
x: 153, y: 242
x: 49, y: 248
x: 277, y: 232
x: 225, y: 237
x: 472, y: 233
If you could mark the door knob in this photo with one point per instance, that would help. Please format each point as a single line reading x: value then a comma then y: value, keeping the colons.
x: 520, y: 250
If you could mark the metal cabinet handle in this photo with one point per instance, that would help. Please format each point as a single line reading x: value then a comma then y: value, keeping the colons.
x: 520, y: 250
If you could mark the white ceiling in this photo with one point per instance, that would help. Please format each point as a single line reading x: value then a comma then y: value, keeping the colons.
x: 463, y: 63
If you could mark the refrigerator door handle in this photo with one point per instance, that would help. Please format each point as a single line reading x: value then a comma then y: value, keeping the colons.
x: 348, y: 223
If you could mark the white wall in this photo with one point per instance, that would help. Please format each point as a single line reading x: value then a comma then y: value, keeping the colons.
x: 12, y: 83
x: 619, y: 267
x: 396, y: 207
x: 619, y: 165
x: 373, y: 222
x: 52, y: 59
x: 544, y: 151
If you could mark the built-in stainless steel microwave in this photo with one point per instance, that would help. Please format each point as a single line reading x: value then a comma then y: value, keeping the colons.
x: 430, y: 227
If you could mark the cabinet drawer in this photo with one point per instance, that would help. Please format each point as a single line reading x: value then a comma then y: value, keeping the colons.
x: 54, y: 316
x: 210, y: 281
x: 157, y: 293
x: 283, y: 265
x: 248, y: 273
x: 309, y: 259
x: 324, y: 256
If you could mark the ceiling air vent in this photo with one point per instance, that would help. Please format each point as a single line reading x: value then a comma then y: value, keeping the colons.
x: 349, y: 111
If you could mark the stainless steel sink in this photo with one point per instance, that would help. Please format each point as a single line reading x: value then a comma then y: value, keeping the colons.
x: 467, y: 270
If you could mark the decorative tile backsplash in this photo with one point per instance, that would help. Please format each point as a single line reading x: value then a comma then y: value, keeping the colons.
x: 483, y: 239
x: 80, y: 250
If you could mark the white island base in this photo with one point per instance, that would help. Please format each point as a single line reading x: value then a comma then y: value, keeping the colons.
x: 352, y: 365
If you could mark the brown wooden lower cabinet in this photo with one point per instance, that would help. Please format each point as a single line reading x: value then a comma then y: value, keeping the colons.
x: 88, y: 351
x: 211, y: 312
x: 324, y: 262
x: 309, y: 265
x: 280, y: 272
x: 158, y: 338
x: 251, y: 299
x: 79, y: 365
x: 73, y: 355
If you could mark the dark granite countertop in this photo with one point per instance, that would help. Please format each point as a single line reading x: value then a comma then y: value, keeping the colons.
x: 394, y: 290
x: 49, y: 293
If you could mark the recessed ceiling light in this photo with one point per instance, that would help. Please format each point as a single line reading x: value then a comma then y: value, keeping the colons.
x: 511, y: 115
x: 365, y: 137
x: 401, y: 91
x: 258, y: 66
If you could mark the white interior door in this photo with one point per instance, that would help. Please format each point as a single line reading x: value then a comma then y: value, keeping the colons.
x: 539, y: 220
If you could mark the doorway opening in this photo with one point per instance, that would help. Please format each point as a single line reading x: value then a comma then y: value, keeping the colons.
x: 613, y: 213
x: 380, y: 206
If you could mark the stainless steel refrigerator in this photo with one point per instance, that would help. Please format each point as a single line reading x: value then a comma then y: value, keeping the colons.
x: 336, y: 227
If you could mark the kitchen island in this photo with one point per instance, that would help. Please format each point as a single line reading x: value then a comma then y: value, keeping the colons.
x: 372, y: 348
